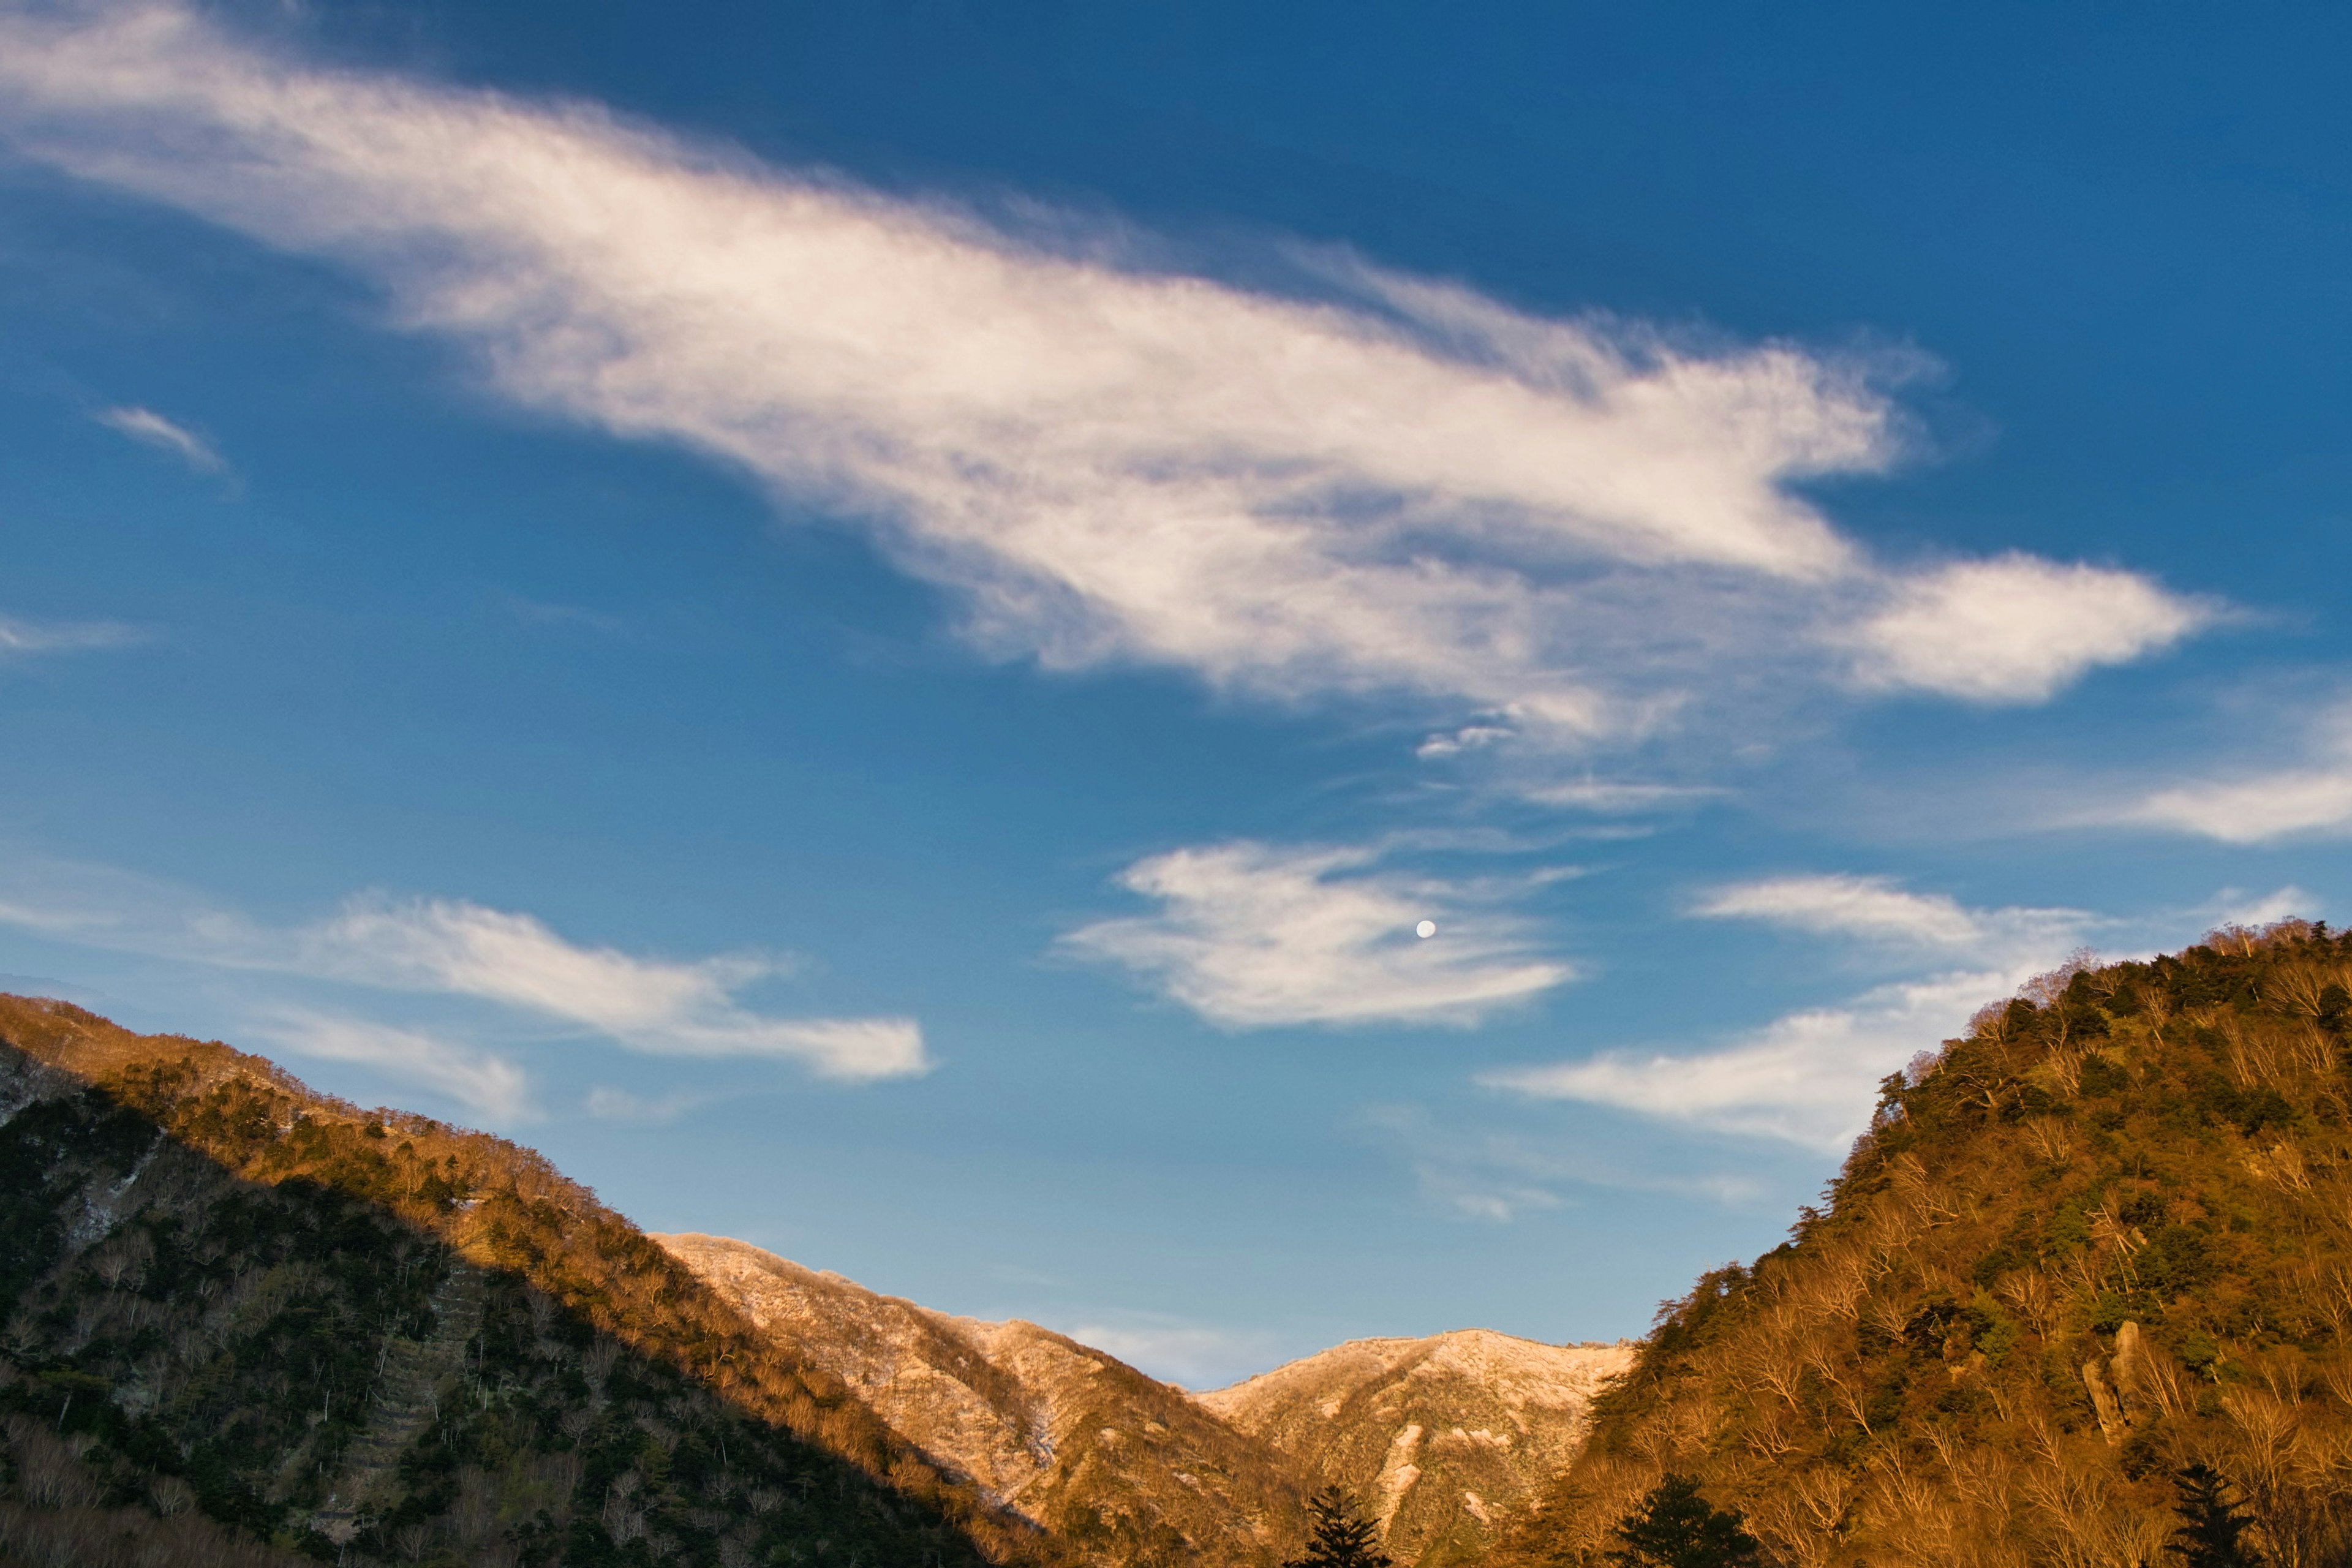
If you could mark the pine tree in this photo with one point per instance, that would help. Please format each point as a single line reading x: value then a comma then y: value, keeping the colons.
x: 1343, y: 1538
x: 2209, y: 1523
x: 1676, y: 1528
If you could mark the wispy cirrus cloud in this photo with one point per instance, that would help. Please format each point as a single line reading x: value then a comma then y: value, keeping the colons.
x: 453, y: 948
x: 484, y: 1081
x: 1808, y: 1076
x: 1879, y: 910
x: 2310, y: 797
x: 1253, y: 936
x: 1375, y: 484
x: 23, y: 637
x: 150, y: 428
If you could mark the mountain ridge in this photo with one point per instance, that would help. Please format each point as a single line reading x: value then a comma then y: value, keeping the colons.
x: 1443, y: 1437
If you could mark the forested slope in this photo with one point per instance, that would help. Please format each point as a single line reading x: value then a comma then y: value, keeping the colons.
x: 248, y: 1324
x: 2107, y: 1236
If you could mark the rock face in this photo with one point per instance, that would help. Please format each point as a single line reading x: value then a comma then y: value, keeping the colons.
x: 1441, y: 1437
x: 1118, y: 1465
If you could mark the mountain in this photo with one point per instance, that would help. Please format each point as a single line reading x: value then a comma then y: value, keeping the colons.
x: 2103, y: 1238
x: 248, y: 1324
x: 1443, y: 1437
x: 1121, y: 1467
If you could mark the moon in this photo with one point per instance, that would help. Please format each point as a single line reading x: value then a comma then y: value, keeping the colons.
x: 1425, y: 930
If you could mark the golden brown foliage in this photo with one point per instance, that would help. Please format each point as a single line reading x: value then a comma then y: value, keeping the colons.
x: 2106, y: 1236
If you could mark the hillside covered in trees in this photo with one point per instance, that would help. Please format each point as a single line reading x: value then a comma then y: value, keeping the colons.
x: 2104, y: 1239
x: 247, y: 1324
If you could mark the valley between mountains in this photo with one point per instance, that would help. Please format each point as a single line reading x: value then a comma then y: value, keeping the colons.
x: 1443, y: 1438
x: 252, y: 1324
x: 2080, y: 1296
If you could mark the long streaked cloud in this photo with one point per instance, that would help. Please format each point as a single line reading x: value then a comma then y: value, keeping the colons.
x: 2311, y: 797
x: 452, y: 948
x: 1808, y: 1077
x: 1378, y: 484
x: 150, y: 428
x: 484, y: 1081
x: 1879, y: 910
x: 23, y: 637
x: 1253, y: 935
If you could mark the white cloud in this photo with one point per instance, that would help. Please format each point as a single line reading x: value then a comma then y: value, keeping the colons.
x: 1876, y: 910
x: 2311, y: 798
x: 1619, y: 798
x: 150, y: 428
x: 2254, y: 809
x: 2017, y: 628
x: 61, y: 636
x: 1854, y: 906
x: 1255, y: 936
x: 449, y: 947
x: 489, y: 1084
x: 1808, y: 1077
x: 1403, y: 487
x: 2290, y: 902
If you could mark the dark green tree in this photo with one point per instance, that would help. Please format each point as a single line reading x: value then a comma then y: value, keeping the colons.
x: 1673, y: 1527
x: 2210, y: 1523
x: 1343, y: 1538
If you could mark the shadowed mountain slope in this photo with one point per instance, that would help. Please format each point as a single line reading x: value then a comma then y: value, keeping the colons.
x: 243, y: 1321
x: 2105, y: 1237
x: 1443, y: 1437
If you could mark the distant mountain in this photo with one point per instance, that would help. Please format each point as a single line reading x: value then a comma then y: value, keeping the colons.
x: 2104, y: 1238
x: 1116, y: 1465
x: 250, y: 1325
x: 1444, y: 1438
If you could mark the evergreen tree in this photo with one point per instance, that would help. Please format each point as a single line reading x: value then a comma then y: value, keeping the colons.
x: 1676, y: 1528
x: 1343, y: 1538
x: 2209, y: 1523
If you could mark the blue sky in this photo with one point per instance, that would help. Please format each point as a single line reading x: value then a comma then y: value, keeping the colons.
x: 875, y: 626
